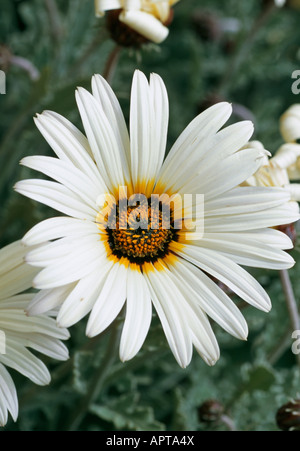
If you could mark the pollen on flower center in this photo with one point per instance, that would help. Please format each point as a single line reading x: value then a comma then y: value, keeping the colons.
x: 139, y: 235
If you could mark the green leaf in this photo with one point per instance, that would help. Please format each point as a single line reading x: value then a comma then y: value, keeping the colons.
x: 258, y: 378
x: 82, y: 369
x: 125, y: 413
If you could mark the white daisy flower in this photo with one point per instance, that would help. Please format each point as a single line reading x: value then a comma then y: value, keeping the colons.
x: 148, y: 18
x: 87, y: 268
x: 18, y: 332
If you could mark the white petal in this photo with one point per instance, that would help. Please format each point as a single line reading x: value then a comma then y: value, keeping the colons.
x: 271, y: 237
x: 70, y: 269
x: 141, y: 112
x: 21, y: 360
x: 225, y: 175
x: 228, y: 272
x: 59, y: 227
x: 61, y: 123
x: 69, y: 144
x: 19, y: 301
x: 133, y: 4
x: 17, y: 280
x: 246, y: 200
x: 48, y: 346
x: 286, y: 156
x: 83, y: 297
x: 284, y: 214
x: 46, y: 300
x: 206, y: 155
x: 66, y: 174
x: 145, y: 24
x: 110, y: 302
x: 173, y: 320
x: 17, y: 321
x: 294, y: 190
x: 106, y: 5
x: 138, y: 315
x: 196, y: 133
x: 211, y: 299
x: 149, y: 118
x: 12, y: 256
x: 56, y: 196
x: 201, y: 332
x: 8, y: 397
x: 112, y: 109
x: 50, y: 253
x: 111, y: 162
x: 255, y: 252
x: 160, y: 122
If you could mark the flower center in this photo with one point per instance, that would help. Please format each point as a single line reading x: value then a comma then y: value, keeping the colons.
x: 140, y: 234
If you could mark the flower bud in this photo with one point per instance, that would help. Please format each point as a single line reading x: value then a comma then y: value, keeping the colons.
x: 135, y: 22
x: 210, y: 411
x: 290, y: 124
x: 5, y: 57
x: 290, y: 231
x: 121, y: 33
x: 288, y: 416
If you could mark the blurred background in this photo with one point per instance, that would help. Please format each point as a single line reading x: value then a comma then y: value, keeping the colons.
x: 241, y: 51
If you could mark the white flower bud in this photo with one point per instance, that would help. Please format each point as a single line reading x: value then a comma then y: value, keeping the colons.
x: 290, y: 124
x: 148, y: 18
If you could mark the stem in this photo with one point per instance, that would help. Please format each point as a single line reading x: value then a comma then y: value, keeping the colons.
x: 280, y: 349
x: 111, y: 64
x: 54, y: 20
x: 228, y: 422
x: 291, y: 302
x: 96, y: 383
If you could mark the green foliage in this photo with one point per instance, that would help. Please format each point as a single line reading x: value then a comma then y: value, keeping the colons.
x: 151, y: 392
x: 125, y: 413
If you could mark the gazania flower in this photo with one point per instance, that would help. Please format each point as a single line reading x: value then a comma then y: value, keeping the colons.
x: 19, y: 332
x: 134, y: 22
x: 88, y: 267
